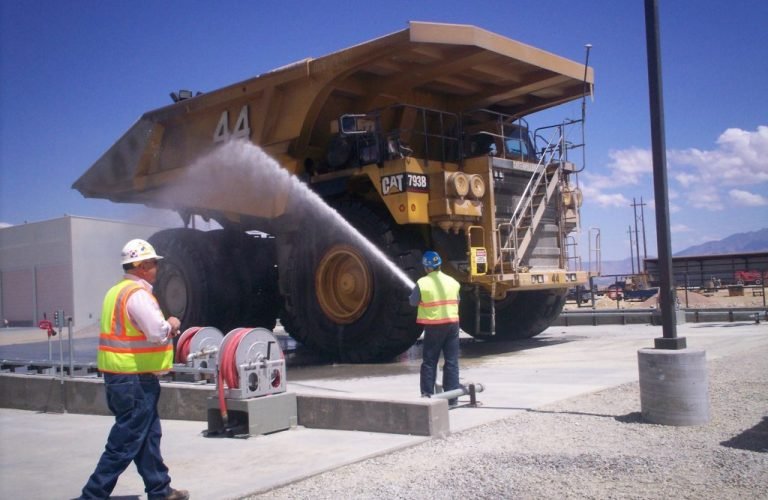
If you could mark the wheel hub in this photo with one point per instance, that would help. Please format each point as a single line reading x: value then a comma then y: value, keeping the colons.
x: 343, y: 284
x: 175, y: 295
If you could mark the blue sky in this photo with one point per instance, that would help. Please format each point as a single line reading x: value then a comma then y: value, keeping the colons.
x: 76, y: 74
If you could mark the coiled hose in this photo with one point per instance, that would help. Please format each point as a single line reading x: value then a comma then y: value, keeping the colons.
x: 182, y: 345
x: 228, y: 367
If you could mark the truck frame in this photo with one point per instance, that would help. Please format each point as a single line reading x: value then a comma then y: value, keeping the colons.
x: 419, y: 140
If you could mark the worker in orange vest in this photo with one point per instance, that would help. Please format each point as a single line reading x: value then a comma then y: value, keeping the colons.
x: 135, y: 346
x: 437, y: 296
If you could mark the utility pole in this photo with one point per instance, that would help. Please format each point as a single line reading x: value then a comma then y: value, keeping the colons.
x: 642, y: 219
x: 631, y: 249
x: 634, y: 206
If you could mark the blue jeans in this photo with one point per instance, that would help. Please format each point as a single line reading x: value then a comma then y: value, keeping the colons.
x: 135, y: 437
x: 439, y: 338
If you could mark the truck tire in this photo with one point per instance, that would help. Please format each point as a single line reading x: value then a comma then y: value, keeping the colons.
x: 221, y: 278
x: 341, y: 301
x: 245, y: 278
x: 183, y: 285
x: 520, y: 315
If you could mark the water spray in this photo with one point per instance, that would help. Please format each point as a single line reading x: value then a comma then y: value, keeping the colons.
x: 268, y: 182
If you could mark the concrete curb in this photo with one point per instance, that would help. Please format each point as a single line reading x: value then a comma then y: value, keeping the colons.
x: 190, y: 402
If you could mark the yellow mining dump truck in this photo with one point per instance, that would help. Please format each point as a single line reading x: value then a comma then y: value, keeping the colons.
x: 418, y: 139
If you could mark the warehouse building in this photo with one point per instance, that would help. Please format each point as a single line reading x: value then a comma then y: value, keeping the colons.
x: 61, y: 264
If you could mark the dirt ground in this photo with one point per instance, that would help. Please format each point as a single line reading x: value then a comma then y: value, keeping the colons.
x: 690, y: 300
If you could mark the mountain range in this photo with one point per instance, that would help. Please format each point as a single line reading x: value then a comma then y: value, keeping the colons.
x: 753, y: 241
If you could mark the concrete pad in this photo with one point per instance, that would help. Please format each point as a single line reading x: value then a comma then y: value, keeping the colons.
x: 50, y: 456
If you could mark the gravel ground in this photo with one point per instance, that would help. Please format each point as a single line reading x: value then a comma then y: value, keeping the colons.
x: 592, y: 446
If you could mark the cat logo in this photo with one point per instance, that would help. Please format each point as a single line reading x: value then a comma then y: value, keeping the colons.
x: 414, y: 183
x: 392, y: 184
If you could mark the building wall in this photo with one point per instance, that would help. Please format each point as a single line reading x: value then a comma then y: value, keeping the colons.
x: 66, y: 263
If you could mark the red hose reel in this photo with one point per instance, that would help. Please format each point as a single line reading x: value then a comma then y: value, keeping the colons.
x: 249, y: 361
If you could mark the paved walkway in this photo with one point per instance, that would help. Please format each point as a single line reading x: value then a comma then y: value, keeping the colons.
x: 49, y: 456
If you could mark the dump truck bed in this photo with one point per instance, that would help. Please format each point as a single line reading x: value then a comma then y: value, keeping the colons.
x: 288, y: 111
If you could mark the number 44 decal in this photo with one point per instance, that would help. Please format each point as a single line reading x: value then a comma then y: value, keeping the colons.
x: 242, y: 126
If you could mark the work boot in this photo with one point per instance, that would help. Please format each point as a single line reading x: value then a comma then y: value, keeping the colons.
x: 177, y: 495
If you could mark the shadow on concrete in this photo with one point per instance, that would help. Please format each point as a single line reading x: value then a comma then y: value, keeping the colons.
x: 479, y: 348
x: 723, y: 325
x: 753, y: 439
x: 123, y: 497
x: 634, y: 417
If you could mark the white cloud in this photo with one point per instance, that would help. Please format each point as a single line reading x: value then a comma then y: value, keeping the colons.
x: 631, y: 164
x: 594, y: 195
x: 699, y: 178
x: 5, y: 224
x: 740, y: 158
x: 705, y: 197
x: 680, y: 228
x: 627, y: 167
x: 747, y: 199
x: 685, y: 179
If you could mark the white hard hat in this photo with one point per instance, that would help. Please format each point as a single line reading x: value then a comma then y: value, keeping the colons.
x: 137, y: 251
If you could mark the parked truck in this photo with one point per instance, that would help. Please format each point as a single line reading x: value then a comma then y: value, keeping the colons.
x: 419, y: 140
x: 749, y: 277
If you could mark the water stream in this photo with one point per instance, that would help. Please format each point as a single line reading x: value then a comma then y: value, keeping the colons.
x: 245, y: 172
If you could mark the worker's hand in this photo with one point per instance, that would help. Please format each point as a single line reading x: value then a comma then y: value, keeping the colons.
x: 175, y: 325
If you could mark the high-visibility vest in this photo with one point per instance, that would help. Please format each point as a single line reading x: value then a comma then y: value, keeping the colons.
x: 123, y: 348
x: 439, y: 303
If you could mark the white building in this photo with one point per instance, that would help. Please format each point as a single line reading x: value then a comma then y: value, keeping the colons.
x: 61, y: 264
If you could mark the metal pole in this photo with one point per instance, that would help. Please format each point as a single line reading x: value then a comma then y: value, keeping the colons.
x: 642, y: 219
x: 670, y: 340
x: 631, y: 249
x: 463, y: 390
x: 71, y: 358
x: 50, y: 344
x: 637, y: 238
x: 61, y: 344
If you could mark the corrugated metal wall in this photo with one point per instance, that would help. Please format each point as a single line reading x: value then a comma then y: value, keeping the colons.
x: 699, y: 270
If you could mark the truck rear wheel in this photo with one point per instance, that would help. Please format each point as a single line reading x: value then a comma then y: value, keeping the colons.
x: 519, y: 315
x: 220, y: 278
x: 342, y: 301
x: 183, y: 278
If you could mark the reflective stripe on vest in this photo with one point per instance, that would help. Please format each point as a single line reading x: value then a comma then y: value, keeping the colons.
x: 439, y: 299
x: 123, y: 348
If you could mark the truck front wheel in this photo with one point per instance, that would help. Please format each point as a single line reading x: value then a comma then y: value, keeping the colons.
x: 341, y: 300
